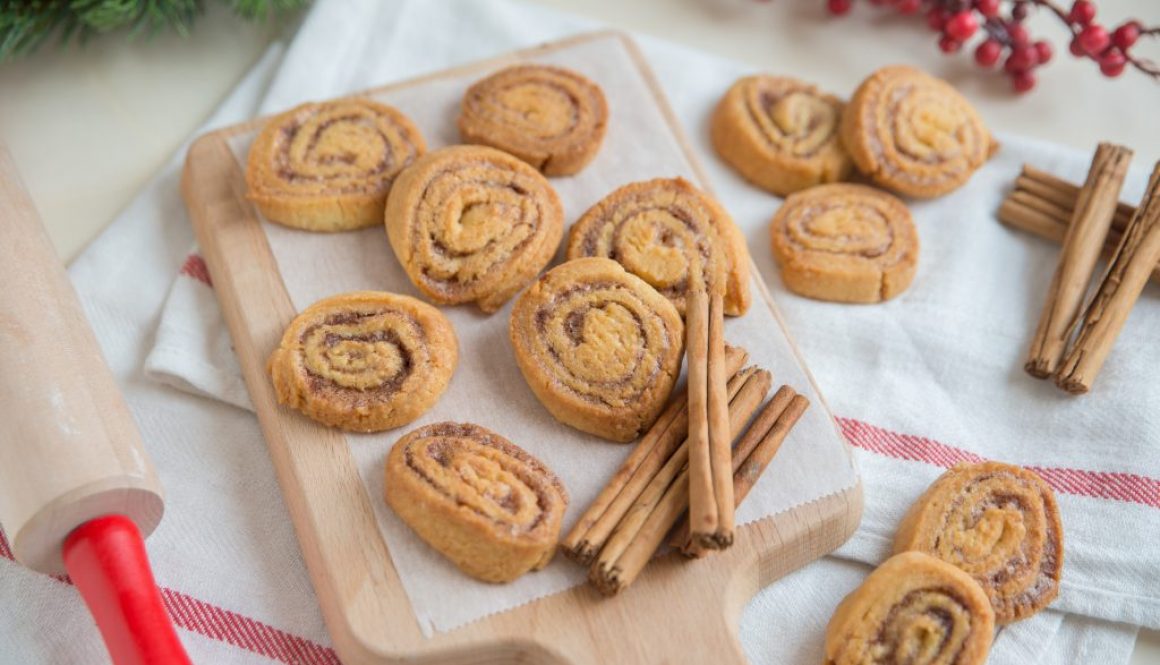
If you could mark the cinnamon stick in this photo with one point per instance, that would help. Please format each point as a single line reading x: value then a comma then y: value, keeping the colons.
x: 1091, y: 220
x: 752, y: 454
x: 1133, y: 262
x: 1050, y: 187
x: 702, y: 497
x: 663, y: 503
x: 585, y: 539
x: 720, y: 435
x: 1020, y: 210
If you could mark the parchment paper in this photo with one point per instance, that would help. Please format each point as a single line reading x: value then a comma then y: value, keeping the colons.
x: 488, y: 388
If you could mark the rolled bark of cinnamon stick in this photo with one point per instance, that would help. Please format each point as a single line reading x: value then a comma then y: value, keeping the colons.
x: 1090, y: 222
x: 720, y: 436
x: 621, y: 562
x: 1130, y: 268
x: 702, y: 499
x: 1064, y: 194
x: 752, y: 454
x: 591, y: 531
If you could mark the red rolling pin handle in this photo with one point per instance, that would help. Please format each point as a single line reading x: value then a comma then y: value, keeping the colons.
x: 105, y: 557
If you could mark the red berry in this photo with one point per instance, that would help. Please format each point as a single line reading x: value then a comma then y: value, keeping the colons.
x: 1023, y: 81
x: 936, y: 18
x: 839, y: 7
x: 988, y: 8
x: 1075, y: 47
x: 961, y: 26
x: 1082, y: 12
x: 1112, y: 63
x: 1126, y: 35
x: 1094, y: 39
x: 988, y: 53
x: 1019, y: 11
x: 1043, y: 52
x: 949, y: 44
x: 908, y: 6
x: 1021, y: 59
x: 1017, y: 33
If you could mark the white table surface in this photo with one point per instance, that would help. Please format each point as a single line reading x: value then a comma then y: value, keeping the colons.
x: 138, y: 101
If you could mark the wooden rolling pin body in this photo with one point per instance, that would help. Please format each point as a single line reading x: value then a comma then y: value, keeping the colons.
x: 69, y: 449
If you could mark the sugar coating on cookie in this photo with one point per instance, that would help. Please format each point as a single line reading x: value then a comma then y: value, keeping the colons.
x: 670, y: 234
x: 845, y: 243
x: 473, y: 224
x: 1000, y: 524
x: 913, y: 133
x: 329, y: 166
x: 480, y: 500
x: 550, y: 117
x: 365, y: 361
x: 598, y: 346
x: 780, y: 134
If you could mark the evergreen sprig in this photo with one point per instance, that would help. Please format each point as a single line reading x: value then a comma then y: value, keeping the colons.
x: 25, y: 25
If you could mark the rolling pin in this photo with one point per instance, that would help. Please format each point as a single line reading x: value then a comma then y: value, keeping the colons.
x: 77, y: 490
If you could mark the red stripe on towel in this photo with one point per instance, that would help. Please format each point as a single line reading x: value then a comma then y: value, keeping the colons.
x: 195, y: 267
x: 1111, y: 485
x: 239, y: 630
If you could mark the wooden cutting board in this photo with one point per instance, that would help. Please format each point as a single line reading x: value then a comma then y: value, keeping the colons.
x: 366, y: 608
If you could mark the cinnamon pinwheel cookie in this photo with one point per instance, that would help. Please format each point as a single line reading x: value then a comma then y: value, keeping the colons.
x: 477, y: 498
x: 780, y: 134
x: 1000, y: 524
x: 913, y: 133
x: 473, y: 224
x: 329, y: 166
x: 670, y: 234
x: 913, y: 608
x: 550, y: 117
x: 598, y: 346
x: 845, y: 243
x: 365, y: 361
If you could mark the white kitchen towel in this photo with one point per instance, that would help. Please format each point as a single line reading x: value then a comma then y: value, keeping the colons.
x: 225, y: 553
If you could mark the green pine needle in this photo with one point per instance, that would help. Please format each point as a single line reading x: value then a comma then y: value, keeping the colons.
x: 25, y: 25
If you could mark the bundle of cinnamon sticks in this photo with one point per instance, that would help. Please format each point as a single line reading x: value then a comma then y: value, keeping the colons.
x: 1076, y: 332
x: 623, y: 528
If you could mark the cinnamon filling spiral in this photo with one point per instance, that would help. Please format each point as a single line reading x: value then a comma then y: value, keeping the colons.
x: 485, y: 474
x: 672, y: 236
x: 914, y: 133
x: 912, y: 610
x: 473, y: 224
x: 364, y: 361
x: 552, y: 118
x: 600, y: 348
x: 793, y: 119
x: 1000, y: 524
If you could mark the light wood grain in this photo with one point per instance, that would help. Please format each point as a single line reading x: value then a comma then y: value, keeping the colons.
x: 69, y: 449
x: 363, y: 602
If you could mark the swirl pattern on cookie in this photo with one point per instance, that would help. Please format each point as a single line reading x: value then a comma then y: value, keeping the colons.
x: 780, y: 134
x: 599, y: 347
x: 329, y: 166
x: 913, y: 133
x: 486, y: 504
x: 915, y: 610
x: 845, y: 243
x: 1000, y: 524
x: 365, y: 361
x: 473, y: 224
x: 670, y: 234
x: 550, y: 117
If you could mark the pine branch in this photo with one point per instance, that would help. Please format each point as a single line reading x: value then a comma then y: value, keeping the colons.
x: 26, y: 25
